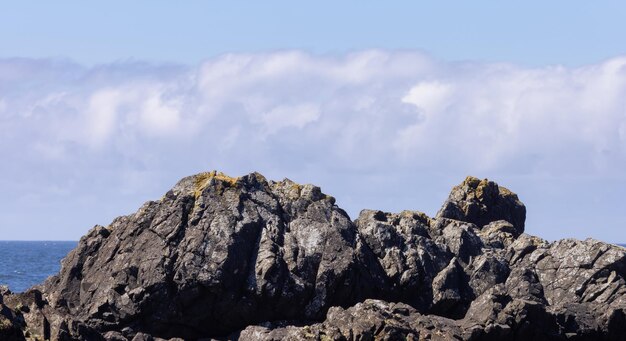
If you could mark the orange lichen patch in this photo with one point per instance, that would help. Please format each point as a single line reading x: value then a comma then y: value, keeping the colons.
x: 294, y: 190
x: 480, y: 188
x: 202, y: 180
x: 471, y: 181
x: 296, y: 187
x: 505, y: 191
x: 287, y: 187
x: 417, y: 215
x: 477, y: 189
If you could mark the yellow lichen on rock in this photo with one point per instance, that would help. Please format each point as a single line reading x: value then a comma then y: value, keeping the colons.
x: 505, y: 191
x: 477, y: 188
x: 417, y: 215
x: 296, y: 187
x: 202, y: 180
x: 471, y: 181
x: 480, y: 188
x: 291, y: 189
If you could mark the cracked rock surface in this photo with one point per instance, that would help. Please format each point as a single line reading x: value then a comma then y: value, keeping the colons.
x: 246, y: 258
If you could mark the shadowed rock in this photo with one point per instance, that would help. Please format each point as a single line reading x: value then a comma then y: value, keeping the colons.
x: 11, y: 321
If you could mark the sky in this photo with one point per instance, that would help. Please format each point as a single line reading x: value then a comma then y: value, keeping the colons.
x: 105, y: 106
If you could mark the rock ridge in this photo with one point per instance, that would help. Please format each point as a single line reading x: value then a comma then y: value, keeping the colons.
x: 253, y: 259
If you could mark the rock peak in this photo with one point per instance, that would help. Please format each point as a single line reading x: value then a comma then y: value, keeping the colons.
x: 481, y: 202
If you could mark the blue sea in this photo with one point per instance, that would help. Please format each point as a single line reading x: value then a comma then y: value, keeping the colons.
x: 26, y: 263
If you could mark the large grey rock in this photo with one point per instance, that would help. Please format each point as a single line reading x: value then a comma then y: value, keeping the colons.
x: 481, y: 202
x: 404, y: 255
x: 214, y: 254
x: 264, y: 260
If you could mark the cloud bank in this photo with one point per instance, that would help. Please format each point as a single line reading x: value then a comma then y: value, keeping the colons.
x: 75, y: 137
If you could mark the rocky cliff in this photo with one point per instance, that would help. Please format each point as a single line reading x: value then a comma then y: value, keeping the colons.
x: 251, y: 259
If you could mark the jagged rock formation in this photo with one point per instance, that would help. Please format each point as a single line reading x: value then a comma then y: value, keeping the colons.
x: 11, y: 323
x: 247, y: 258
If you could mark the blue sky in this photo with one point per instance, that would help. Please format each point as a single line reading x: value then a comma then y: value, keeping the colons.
x: 529, y: 32
x: 103, y: 107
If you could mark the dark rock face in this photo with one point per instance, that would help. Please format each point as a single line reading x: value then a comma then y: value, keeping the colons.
x: 213, y: 255
x: 258, y: 259
x: 11, y: 321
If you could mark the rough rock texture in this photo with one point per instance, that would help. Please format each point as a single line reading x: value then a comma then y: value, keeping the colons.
x: 11, y: 321
x: 481, y: 202
x: 247, y: 258
x: 372, y: 319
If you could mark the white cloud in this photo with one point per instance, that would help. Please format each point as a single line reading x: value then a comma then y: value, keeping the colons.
x: 286, y: 116
x: 430, y: 97
x: 160, y: 117
x: 375, y: 105
x: 290, y: 112
x: 102, y: 115
x: 3, y: 105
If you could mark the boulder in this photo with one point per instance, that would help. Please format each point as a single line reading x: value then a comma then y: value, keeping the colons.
x: 481, y: 202
x: 215, y: 254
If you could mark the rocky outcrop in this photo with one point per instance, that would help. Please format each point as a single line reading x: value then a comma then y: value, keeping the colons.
x: 11, y: 321
x: 248, y: 258
x: 213, y: 255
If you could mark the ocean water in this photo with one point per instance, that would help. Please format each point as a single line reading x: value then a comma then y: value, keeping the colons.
x: 26, y: 263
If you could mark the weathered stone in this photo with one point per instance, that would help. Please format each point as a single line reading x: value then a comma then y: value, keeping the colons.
x: 11, y: 319
x: 250, y: 259
x: 404, y: 251
x: 451, y: 291
x: 213, y: 255
x: 498, y: 234
x: 481, y: 202
x: 369, y: 320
